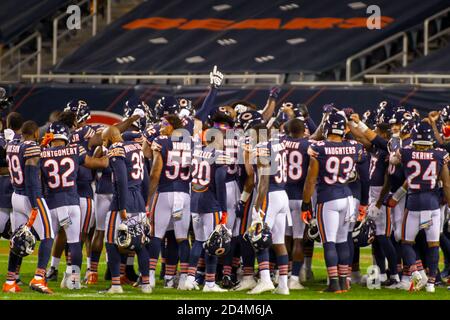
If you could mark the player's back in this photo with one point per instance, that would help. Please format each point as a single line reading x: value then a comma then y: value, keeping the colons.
x: 272, y: 153
x: 422, y: 171
x: 297, y: 165
x: 17, y: 152
x: 60, y: 168
x: 205, y: 162
x: 132, y: 154
x: 337, y: 160
x: 176, y: 154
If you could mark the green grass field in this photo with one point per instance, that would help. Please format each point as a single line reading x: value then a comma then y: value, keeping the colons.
x: 311, y: 293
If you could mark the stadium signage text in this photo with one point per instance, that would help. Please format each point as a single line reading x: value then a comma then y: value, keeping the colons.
x: 161, y: 23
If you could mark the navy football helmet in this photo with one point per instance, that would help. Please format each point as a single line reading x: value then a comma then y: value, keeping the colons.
x: 313, y: 231
x: 370, y: 118
x: 80, y: 108
x: 59, y: 131
x: 407, y: 123
x: 131, y: 234
x: 187, y: 109
x: 423, y: 134
x: 219, y: 241
x: 335, y: 124
x: 259, y: 236
x: 167, y: 105
x: 249, y: 119
x: 22, y: 241
x: 133, y: 104
x: 364, y: 232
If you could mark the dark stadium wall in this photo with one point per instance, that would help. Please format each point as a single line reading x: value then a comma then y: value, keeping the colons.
x: 37, y: 101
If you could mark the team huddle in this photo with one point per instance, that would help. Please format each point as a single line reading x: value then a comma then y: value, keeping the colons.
x: 226, y: 197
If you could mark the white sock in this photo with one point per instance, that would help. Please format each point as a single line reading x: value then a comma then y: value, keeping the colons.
x: 383, y: 277
x: 191, y: 278
x: 265, y: 275
x: 130, y: 261
x: 152, y: 274
x: 308, y: 263
x: 68, y: 269
x: 423, y: 273
x: 88, y: 263
x: 282, y: 281
x: 168, y: 277
x: 210, y: 284
x: 55, y: 262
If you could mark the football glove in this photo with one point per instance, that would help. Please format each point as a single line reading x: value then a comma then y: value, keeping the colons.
x: 391, y: 202
x: 9, y: 134
x: 362, y: 212
x: 274, y: 91
x: 306, y: 212
x: 216, y: 77
x: 257, y: 216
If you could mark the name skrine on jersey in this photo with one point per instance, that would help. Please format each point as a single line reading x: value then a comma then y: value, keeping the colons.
x: 297, y: 166
x: 176, y: 156
x: 17, y: 153
x: 337, y: 160
x: 85, y: 177
x: 274, y: 154
x: 379, y: 161
x: 422, y: 170
x: 131, y: 153
x: 207, y: 194
x: 60, y: 168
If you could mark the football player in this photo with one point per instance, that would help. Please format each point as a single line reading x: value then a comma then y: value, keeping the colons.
x: 208, y: 204
x: 60, y: 163
x: 297, y: 165
x: 271, y: 206
x: 331, y: 168
x: 29, y: 209
x: 169, y: 189
x: 127, y: 207
x: 424, y: 168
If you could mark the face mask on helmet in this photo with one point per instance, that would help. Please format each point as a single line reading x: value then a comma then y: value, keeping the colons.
x: 22, y: 241
x: 80, y: 108
x: 335, y: 124
x: 167, y: 105
x: 259, y: 236
x: 219, y: 241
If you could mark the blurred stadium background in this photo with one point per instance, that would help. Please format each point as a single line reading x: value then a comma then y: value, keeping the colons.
x: 318, y: 51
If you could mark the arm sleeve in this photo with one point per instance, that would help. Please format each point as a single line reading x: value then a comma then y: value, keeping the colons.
x: 32, y: 184
x: 380, y: 143
x: 207, y: 106
x: 120, y: 180
x: 221, y: 190
x: 363, y: 170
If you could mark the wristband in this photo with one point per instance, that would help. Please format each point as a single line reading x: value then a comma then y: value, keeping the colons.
x: 400, y: 193
x: 362, y: 126
x: 244, y: 196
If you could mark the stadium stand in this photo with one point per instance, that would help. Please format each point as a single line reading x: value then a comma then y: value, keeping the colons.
x: 26, y: 17
x: 111, y: 98
x: 436, y: 62
x: 310, y: 37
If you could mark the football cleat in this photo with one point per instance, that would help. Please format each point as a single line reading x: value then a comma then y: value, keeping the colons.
x: 261, y: 287
x: 283, y: 291
x: 11, y: 287
x: 333, y: 287
x: 65, y: 281
x: 138, y: 282
x: 124, y: 280
x: 294, y: 284
x: 146, y: 288
x: 19, y: 282
x: 394, y: 284
x: 214, y: 288
x: 92, y: 278
x: 170, y: 283
x: 40, y: 286
x: 343, y: 284
x: 114, y: 290
x: 52, y: 274
x: 430, y: 288
x: 190, y: 284
x: 247, y: 283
